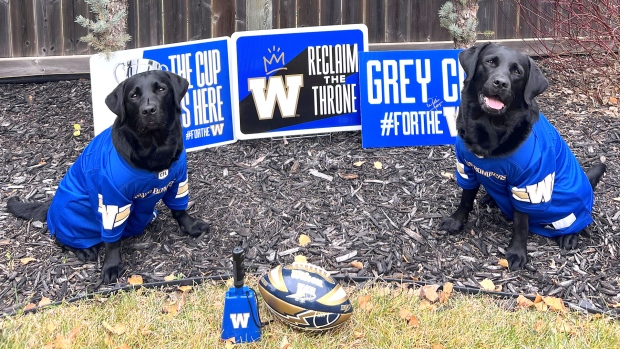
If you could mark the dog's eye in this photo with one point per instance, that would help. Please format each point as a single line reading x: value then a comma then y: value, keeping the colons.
x: 491, y: 62
x: 133, y: 95
x: 161, y: 89
x: 516, y: 72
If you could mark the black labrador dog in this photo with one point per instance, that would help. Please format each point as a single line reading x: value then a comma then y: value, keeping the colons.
x: 506, y: 145
x: 111, y: 190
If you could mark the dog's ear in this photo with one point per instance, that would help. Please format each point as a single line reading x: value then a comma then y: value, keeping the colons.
x: 469, y: 60
x: 179, y: 85
x: 115, y: 101
x: 536, y: 83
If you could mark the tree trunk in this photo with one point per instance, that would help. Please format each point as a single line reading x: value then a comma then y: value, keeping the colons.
x: 467, y: 20
x: 117, y: 31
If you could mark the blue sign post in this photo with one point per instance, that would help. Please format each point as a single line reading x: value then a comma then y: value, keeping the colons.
x: 409, y: 98
x: 297, y: 81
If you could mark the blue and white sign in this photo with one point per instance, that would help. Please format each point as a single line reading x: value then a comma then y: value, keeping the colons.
x: 409, y: 98
x: 297, y: 81
x: 207, y: 108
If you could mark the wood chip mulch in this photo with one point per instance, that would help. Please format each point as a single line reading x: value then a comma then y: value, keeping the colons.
x: 262, y: 194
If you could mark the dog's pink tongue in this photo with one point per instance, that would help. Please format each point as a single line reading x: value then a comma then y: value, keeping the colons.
x: 493, y: 103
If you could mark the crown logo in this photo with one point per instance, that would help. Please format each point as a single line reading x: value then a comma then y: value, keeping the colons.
x: 275, y: 62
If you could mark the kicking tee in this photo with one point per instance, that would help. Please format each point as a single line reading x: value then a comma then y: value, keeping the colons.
x: 103, y: 198
x: 541, y: 178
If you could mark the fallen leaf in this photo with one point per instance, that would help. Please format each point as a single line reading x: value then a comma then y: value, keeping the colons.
x: 364, y: 303
x: 538, y: 298
x: 358, y: 334
x: 524, y: 302
x: 170, y: 277
x: 541, y: 306
x: 185, y: 289
x: 503, y: 262
x: 123, y: 346
x: 429, y: 292
x: 359, y: 163
x: 284, y: 344
x: 413, y: 321
x: 117, y: 329
x: 539, y: 326
x: 613, y: 100
x: 378, y: 165
x: 27, y: 260
x: 426, y: 305
x: 30, y: 306
x: 405, y: 314
x: 63, y: 342
x: 555, y: 304
x: 564, y: 327
x: 44, y: 301
x: 443, y: 297
x: 384, y: 291
x: 174, y: 306
x: 357, y: 264
x: 301, y: 259
x: 229, y: 343
x: 487, y: 285
x: 347, y: 175
x: 77, y: 127
x: 304, y: 240
x: 437, y: 346
x: 135, y: 280
x: 448, y: 287
x: 76, y: 133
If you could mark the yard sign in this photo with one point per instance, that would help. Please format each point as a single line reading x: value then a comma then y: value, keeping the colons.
x: 409, y: 98
x: 297, y: 81
x: 206, y: 108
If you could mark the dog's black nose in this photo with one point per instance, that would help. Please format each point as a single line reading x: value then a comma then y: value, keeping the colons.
x: 501, y: 82
x: 149, y: 109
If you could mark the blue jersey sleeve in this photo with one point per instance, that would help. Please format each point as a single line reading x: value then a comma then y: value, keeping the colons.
x: 177, y: 197
x: 465, y: 174
x: 114, y: 209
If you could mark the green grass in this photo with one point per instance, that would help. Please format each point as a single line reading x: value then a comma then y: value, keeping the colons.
x: 463, y: 322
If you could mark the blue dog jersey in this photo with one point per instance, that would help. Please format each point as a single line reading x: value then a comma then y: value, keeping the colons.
x: 104, y: 198
x: 541, y: 178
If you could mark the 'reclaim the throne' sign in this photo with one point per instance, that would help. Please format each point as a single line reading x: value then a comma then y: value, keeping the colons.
x: 297, y: 81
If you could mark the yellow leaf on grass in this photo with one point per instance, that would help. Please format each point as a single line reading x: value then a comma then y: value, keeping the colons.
x: 413, y: 321
x: 503, y: 262
x: 304, y: 240
x: 426, y: 305
x: 44, y: 301
x: 364, y: 303
x: 63, y: 342
x: 405, y: 314
x: 229, y: 343
x: 378, y: 165
x: 541, y: 306
x: 123, y: 346
x: 117, y: 329
x: 555, y: 304
x: 538, y: 298
x: 284, y: 344
x: 564, y: 327
x: 185, y: 289
x: 135, y: 280
x: 429, y: 292
x: 357, y: 264
x: 301, y: 259
x: 448, y: 287
x: 358, y: 334
x: 173, y: 307
x: 359, y: 163
x: 487, y: 285
x: 524, y: 302
x: 27, y: 260
x: 170, y: 277
x: 539, y: 326
x: 437, y: 346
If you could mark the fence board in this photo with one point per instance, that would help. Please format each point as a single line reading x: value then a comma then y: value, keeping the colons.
x: 352, y: 12
x: 150, y: 24
x: 23, y: 30
x: 259, y: 16
x: 507, y: 15
x: 307, y: 13
x: 223, y: 17
x: 374, y: 18
x: 199, y: 17
x: 331, y: 12
x: 398, y: 15
x: 132, y: 23
x: 487, y: 19
x: 175, y: 21
x: 241, y: 13
x: 5, y: 32
x: 286, y: 18
x: 49, y: 27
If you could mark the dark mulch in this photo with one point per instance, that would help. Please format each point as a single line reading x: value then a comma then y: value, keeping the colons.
x: 263, y: 194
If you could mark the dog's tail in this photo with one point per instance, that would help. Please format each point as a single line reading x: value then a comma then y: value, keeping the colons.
x: 36, y: 211
x: 595, y: 173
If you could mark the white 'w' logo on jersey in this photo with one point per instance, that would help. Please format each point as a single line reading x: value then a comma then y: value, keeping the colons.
x: 536, y: 193
x: 111, y: 215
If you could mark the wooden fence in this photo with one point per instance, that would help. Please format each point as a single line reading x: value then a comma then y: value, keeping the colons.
x: 40, y: 28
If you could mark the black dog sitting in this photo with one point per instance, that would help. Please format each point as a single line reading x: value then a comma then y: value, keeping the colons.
x: 111, y: 190
x: 505, y: 144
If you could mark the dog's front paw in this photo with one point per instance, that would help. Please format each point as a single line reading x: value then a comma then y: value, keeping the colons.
x: 195, y: 228
x: 452, y: 225
x: 111, y: 273
x: 517, y: 257
x: 568, y: 242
